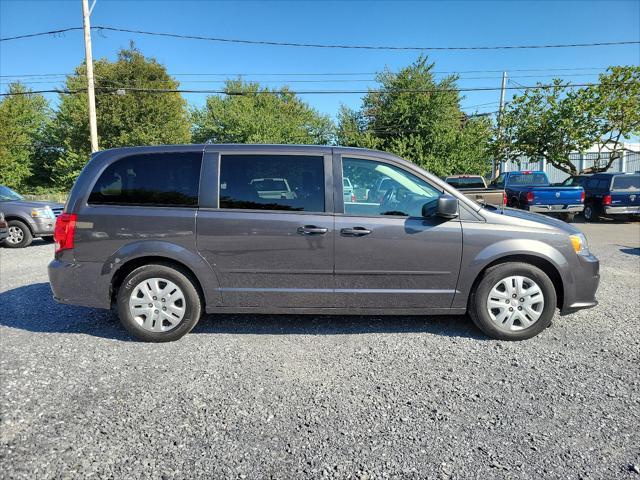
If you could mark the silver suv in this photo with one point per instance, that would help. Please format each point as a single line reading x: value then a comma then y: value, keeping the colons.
x: 164, y: 234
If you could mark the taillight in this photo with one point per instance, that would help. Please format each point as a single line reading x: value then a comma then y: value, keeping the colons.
x: 582, y: 196
x: 606, y: 200
x: 64, y: 231
x: 504, y: 199
x: 530, y: 197
x: 353, y: 198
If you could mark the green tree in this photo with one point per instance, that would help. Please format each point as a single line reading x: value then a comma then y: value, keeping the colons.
x: 126, y: 114
x: 23, y: 119
x: 418, y: 118
x: 248, y: 113
x: 551, y: 123
x: 613, y: 105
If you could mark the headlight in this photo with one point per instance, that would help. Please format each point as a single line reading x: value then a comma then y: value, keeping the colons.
x: 44, y: 212
x: 579, y: 242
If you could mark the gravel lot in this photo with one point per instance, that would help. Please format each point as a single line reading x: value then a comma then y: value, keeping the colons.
x: 293, y: 396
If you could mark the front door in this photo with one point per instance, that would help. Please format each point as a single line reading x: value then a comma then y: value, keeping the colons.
x: 271, y: 240
x: 388, y: 255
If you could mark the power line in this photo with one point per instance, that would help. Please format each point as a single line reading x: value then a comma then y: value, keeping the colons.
x: 40, y: 34
x: 319, y: 74
x: 319, y: 45
x: 115, y: 89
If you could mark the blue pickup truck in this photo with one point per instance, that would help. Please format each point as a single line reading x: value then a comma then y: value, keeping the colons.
x: 531, y: 190
x: 611, y: 195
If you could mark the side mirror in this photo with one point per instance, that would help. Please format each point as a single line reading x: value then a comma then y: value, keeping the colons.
x: 447, y: 206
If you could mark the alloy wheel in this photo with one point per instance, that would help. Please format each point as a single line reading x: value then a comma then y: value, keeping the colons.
x: 16, y: 235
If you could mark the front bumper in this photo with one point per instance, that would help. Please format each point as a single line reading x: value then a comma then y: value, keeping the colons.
x: 632, y: 210
x: 81, y: 284
x: 582, y: 292
x: 43, y: 227
x: 556, y: 208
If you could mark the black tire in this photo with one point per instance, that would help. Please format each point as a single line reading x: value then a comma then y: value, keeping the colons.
x: 590, y: 214
x: 184, y: 280
x: 567, y: 217
x: 26, y: 237
x: 477, y: 301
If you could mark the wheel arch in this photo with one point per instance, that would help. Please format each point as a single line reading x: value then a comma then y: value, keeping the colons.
x: 127, y: 267
x: 542, y: 263
x: 134, y: 255
x: 13, y: 216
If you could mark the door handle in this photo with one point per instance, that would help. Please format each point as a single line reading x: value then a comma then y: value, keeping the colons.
x: 355, y: 232
x: 312, y: 230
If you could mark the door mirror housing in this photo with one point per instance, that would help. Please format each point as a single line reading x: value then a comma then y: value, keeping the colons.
x: 447, y: 206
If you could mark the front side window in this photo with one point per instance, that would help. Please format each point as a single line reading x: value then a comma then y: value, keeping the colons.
x: 592, y: 183
x: 153, y: 179
x: 272, y: 182
x: 383, y: 189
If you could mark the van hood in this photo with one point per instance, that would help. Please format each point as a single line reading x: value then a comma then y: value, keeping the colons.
x: 548, y: 221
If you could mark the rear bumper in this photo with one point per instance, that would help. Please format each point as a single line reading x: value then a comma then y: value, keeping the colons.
x: 556, y: 208
x: 632, y: 210
x: 582, y: 293
x: 79, y: 283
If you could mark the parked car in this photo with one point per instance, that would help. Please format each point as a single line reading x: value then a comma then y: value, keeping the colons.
x: 4, y: 228
x: 612, y: 195
x: 168, y: 244
x: 575, y: 181
x: 27, y: 219
x: 475, y: 187
x: 347, y: 190
x: 531, y: 190
x: 272, y: 188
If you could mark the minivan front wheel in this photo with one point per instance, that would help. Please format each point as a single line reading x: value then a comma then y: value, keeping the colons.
x: 513, y: 301
x: 158, y: 303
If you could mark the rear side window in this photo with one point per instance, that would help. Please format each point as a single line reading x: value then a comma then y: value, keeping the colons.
x: 156, y: 179
x: 626, y: 182
x: 272, y: 182
x: 592, y: 183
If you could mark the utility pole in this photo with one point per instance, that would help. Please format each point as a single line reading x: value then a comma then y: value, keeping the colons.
x: 93, y: 124
x: 496, y: 166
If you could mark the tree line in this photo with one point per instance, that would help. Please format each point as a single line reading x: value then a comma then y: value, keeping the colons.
x: 410, y: 114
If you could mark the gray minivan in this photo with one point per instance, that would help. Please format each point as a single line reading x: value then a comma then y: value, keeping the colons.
x: 166, y: 233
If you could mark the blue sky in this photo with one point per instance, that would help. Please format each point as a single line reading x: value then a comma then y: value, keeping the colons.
x: 427, y: 23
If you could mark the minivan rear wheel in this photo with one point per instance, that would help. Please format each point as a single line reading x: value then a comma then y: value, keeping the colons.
x: 158, y: 303
x: 513, y: 301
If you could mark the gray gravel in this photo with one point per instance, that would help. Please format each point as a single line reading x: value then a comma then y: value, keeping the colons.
x: 294, y: 396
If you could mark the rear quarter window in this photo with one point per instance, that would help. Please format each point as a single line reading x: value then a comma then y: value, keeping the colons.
x: 156, y: 179
x: 626, y: 182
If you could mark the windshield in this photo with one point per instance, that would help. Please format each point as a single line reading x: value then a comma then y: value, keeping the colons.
x: 7, y: 194
x: 528, y: 179
x: 466, y: 182
x: 626, y: 182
